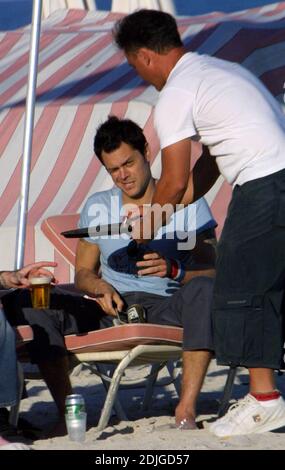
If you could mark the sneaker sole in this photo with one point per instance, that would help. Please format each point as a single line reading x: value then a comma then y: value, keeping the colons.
x: 261, y: 429
x: 266, y: 428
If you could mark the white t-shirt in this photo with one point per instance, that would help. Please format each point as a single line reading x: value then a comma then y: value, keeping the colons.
x: 226, y: 108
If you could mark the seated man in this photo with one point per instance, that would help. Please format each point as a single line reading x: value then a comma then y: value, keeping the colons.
x: 68, y: 313
x: 152, y: 286
x: 153, y: 277
x: 8, y: 360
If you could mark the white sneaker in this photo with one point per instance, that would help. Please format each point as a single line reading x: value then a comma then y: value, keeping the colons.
x: 248, y: 416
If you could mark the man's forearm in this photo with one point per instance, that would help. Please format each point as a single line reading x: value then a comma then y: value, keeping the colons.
x: 87, y: 281
x: 164, y: 203
x: 168, y: 192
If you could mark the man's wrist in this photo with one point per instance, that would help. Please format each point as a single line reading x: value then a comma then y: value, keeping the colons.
x: 97, y: 285
x: 175, y: 270
x: 3, y: 283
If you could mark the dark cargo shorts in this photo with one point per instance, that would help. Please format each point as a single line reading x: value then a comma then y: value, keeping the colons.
x: 248, y: 297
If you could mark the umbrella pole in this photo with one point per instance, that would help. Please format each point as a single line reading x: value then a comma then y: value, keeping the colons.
x: 28, y: 134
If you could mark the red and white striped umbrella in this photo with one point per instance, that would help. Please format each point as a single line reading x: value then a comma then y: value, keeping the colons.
x: 82, y: 79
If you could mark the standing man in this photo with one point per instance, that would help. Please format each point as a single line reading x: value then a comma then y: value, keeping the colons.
x: 242, y: 129
x: 154, y: 276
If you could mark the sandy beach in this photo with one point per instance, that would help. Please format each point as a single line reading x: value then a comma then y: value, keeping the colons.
x: 145, y: 430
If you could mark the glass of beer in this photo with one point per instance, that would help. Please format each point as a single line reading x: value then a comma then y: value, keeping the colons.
x: 40, y: 291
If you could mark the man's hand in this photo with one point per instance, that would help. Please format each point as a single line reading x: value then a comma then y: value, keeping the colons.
x: 138, y: 220
x: 20, y: 279
x: 107, y: 297
x: 153, y: 217
x: 153, y: 264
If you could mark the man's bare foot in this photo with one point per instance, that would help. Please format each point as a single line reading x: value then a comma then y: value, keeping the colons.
x: 184, y: 417
x: 186, y: 423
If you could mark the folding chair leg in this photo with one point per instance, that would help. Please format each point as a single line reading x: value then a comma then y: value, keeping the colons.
x: 111, y: 395
x: 114, y: 385
x: 134, y: 353
x: 14, y: 410
x: 227, y: 391
x: 117, y: 404
x: 172, y: 369
x: 155, y: 368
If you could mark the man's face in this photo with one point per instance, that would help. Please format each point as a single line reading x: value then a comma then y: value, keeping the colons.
x: 129, y: 170
x: 144, y: 63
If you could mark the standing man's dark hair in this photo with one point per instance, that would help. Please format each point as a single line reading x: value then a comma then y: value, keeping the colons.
x: 114, y: 131
x: 153, y: 29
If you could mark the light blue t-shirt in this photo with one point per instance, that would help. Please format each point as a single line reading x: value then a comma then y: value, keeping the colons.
x: 175, y: 240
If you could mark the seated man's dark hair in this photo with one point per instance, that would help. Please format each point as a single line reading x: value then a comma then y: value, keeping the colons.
x: 114, y: 131
x: 153, y: 29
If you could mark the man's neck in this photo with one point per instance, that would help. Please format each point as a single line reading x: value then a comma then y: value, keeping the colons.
x: 144, y: 199
x: 170, y: 60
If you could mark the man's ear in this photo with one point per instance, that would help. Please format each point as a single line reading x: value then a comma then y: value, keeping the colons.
x: 147, y: 152
x: 144, y: 55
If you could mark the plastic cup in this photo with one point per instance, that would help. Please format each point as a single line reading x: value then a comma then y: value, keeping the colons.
x: 76, y: 426
x: 40, y: 291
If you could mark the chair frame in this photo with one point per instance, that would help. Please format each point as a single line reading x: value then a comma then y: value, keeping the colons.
x: 140, y: 354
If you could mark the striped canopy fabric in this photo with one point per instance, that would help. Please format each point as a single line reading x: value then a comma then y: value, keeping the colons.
x: 83, y: 78
x: 49, y: 6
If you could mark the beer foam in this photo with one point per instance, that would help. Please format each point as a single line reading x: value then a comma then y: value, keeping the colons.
x: 39, y: 280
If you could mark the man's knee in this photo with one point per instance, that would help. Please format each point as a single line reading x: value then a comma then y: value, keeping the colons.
x: 48, y: 318
x: 197, y: 300
x: 197, y: 314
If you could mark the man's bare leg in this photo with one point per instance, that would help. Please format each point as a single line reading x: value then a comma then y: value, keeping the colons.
x: 195, y: 365
x: 261, y: 380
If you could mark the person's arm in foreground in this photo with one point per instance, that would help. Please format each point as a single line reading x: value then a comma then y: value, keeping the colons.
x: 177, y: 185
x: 20, y: 278
x: 87, y: 278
